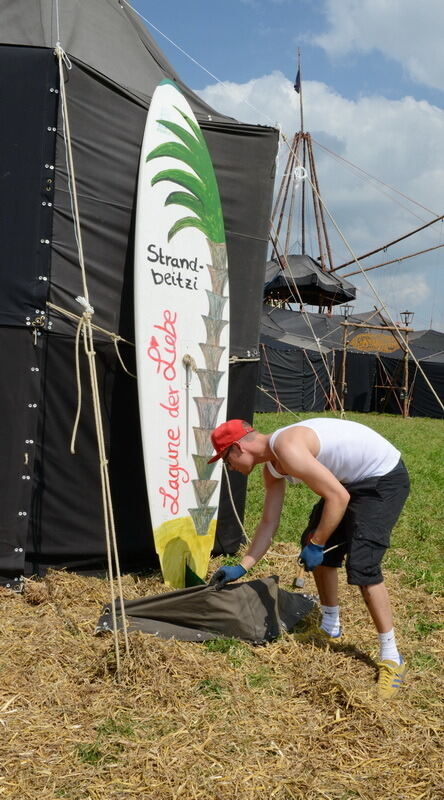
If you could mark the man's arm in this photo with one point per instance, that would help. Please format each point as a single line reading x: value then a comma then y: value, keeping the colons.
x: 271, y: 514
x: 297, y: 460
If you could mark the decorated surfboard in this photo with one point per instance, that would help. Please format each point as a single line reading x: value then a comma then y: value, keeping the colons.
x: 182, y: 332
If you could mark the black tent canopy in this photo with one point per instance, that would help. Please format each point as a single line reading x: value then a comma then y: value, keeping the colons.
x: 302, y: 279
x: 51, y: 500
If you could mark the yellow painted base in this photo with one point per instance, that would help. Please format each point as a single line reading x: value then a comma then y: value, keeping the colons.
x: 177, y: 544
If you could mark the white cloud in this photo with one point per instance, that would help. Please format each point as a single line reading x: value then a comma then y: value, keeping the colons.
x: 400, y: 142
x: 409, y: 31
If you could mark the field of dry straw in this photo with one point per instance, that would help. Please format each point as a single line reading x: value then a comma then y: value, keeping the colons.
x: 216, y: 721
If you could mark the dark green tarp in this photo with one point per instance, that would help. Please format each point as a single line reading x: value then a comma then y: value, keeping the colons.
x: 257, y: 611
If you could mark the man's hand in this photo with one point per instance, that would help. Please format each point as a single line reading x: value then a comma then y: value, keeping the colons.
x: 225, y: 575
x: 312, y: 556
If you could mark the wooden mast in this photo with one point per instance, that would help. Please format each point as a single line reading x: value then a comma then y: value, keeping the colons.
x: 301, y: 154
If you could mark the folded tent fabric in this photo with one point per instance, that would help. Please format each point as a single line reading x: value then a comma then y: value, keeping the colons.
x: 257, y: 611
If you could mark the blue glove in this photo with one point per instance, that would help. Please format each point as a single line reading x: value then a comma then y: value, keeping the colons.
x: 312, y: 556
x: 225, y: 575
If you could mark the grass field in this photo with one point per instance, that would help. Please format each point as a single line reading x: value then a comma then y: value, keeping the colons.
x: 225, y: 720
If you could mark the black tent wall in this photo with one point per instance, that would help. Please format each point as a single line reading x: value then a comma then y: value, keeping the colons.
x: 287, y: 375
x: 286, y: 335
x: 422, y: 401
x: 292, y: 377
x: 51, y: 500
x: 360, y: 378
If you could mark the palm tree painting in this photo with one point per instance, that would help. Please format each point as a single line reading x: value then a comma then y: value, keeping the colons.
x: 189, y: 541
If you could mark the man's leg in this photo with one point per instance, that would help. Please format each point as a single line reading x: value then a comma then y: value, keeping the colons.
x: 378, y: 603
x: 326, y: 579
x: 376, y: 512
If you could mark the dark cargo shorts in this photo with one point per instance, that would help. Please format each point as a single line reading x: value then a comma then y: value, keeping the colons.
x: 374, y: 507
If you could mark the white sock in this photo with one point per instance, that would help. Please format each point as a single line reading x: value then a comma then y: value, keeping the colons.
x: 331, y: 622
x: 387, y: 647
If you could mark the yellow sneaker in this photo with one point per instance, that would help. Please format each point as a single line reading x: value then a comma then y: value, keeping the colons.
x: 317, y: 634
x: 390, y: 678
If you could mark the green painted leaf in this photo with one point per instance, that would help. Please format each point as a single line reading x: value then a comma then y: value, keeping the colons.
x: 186, y: 222
x: 196, y: 130
x: 185, y: 179
x: 203, y: 199
x: 187, y: 200
x: 178, y: 151
x: 190, y: 141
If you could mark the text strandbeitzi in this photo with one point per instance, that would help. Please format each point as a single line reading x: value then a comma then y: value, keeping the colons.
x: 182, y: 268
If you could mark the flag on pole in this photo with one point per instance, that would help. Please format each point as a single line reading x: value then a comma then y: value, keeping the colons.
x: 297, y: 83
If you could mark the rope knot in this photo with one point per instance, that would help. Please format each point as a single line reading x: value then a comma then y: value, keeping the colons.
x: 60, y: 53
x: 188, y: 361
x: 89, y: 310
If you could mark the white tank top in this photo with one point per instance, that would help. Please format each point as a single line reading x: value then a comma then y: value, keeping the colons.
x: 351, y: 451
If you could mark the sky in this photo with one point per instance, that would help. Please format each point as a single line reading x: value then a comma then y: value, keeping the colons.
x: 373, y: 93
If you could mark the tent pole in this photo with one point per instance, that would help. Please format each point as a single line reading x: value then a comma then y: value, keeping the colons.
x: 287, y: 180
x: 344, y: 356
x: 320, y: 206
x: 314, y: 190
x: 293, y: 191
x: 293, y: 149
x: 405, y: 404
x: 304, y: 164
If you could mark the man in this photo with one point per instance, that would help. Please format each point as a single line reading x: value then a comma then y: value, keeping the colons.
x: 363, y: 486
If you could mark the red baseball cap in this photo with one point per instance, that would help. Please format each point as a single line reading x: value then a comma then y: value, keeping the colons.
x: 227, y: 434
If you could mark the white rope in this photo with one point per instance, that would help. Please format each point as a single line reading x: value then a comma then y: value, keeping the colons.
x: 115, y: 337
x: 279, y: 405
x: 371, y: 178
x: 278, y: 402
x: 232, y: 502
x: 57, y: 20
x: 85, y: 327
x: 317, y: 379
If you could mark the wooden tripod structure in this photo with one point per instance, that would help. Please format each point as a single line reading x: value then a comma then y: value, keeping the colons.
x: 301, y: 162
x: 301, y: 153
